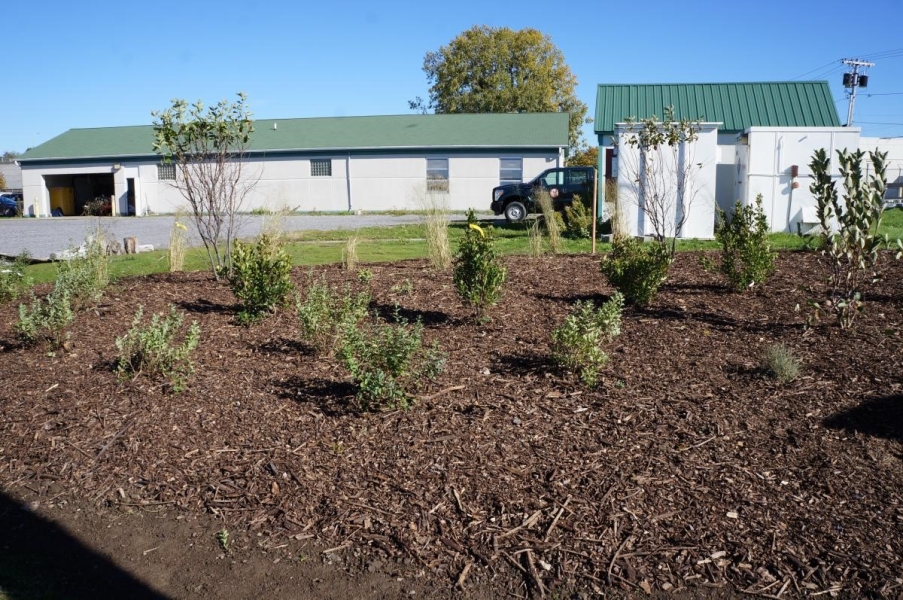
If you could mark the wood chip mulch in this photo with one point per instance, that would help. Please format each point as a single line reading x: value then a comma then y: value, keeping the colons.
x: 687, y: 467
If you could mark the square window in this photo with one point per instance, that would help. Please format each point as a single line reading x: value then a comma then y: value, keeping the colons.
x: 321, y: 167
x: 166, y: 171
x: 511, y: 170
x: 437, y: 174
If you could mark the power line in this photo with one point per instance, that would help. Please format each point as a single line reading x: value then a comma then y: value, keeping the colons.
x: 886, y: 94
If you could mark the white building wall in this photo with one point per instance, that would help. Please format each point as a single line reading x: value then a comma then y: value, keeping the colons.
x: 701, y: 156
x: 366, y: 182
x: 894, y: 160
x: 765, y: 167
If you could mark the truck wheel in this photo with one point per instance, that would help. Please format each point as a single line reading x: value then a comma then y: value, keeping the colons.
x: 515, y: 212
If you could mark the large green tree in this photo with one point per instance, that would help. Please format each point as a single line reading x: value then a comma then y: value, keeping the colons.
x: 499, y: 70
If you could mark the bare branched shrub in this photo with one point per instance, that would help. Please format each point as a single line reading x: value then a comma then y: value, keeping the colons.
x: 209, y: 150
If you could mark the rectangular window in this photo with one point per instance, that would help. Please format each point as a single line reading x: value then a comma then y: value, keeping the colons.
x: 166, y: 171
x: 511, y: 170
x: 321, y: 167
x: 437, y: 174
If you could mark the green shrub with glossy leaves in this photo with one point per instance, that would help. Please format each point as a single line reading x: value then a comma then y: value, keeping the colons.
x: 577, y: 343
x: 746, y: 256
x: 636, y: 269
x: 260, y: 278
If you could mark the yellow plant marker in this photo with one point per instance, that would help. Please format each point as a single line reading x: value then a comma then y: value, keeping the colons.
x: 476, y: 227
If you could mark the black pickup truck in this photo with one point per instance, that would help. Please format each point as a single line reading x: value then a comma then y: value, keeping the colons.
x: 517, y: 200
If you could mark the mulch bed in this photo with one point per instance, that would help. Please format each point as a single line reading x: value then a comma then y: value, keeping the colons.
x: 687, y: 467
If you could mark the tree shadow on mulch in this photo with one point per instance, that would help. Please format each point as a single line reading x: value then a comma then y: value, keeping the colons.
x: 202, y: 306
x: 333, y: 398
x: 878, y: 417
x: 41, y: 560
x: 597, y: 299
x: 396, y: 313
x: 524, y: 364
x: 696, y: 288
x: 716, y: 321
x: 287, y: 346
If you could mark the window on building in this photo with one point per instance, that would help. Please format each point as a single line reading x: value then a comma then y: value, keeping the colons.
x: 437, y: 174
x: 321, y: 167
x: 166, y: 171
x: 511, y: 170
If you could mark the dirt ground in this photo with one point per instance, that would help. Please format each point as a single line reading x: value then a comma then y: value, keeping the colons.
x: 687, y: 472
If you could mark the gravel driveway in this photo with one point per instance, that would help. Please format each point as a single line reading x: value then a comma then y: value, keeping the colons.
x: 41, y: 237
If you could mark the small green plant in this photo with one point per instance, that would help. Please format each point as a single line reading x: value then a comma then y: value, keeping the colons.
x: 388, y: 361
x: 850, y: 227
x: 13, y: 281
x: 222, y: 538
x: 85, y: 274
x: 577, y: 343
x: 152, y: 349
x: 780, y: 362
x: 46, y: 319
x: 550, y: 219
x: 478, y: 273
x: 405, y: 288
x: 746, y: 256
x: 349, y: 254
x: 261, y: 277
x: 365, y: 276
x: 578, y: 220
x: 635, y: 269
x: 325, y: 314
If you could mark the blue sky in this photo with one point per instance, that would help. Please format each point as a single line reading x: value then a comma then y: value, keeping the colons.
x: 94, y: 63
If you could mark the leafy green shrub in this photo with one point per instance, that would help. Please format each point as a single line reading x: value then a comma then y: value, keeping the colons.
x: 261, y: 277
x: 47, y: 319
x: 325, y: 314
x: 478, y: 273
x: 746, y: 256
x: 578, y: 220
x: 780, y: 362
x: 13, y: 281
x: 852, y: 246
x: 636, y: 269
x: 85, y: 275
x: 577, y: 343
x: 388, y: 362
x: 152, y: 349
x: 364, y: 275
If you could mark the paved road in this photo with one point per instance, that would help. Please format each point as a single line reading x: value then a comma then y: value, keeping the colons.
x: 41, y: 237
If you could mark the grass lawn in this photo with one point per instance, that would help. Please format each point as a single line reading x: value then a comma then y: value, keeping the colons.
x: 400, y: 242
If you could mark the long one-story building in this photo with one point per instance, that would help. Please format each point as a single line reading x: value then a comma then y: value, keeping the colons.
x: 335, y: 164
x: 755, y: 138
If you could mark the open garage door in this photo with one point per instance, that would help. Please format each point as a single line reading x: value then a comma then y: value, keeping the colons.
x: 82, y: 194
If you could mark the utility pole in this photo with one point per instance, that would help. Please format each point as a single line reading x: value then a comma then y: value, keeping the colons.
x: 853, y: 81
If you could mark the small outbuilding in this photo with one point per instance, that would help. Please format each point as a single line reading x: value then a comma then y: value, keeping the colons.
x: 338, y: 164
x: 756, y: 138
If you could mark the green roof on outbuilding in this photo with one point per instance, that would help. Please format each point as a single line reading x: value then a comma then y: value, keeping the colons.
x: 401, y: 132
x: 737, y: 105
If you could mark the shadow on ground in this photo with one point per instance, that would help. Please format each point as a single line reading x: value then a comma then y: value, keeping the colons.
x: 38, y: 559
x: 878, y: 417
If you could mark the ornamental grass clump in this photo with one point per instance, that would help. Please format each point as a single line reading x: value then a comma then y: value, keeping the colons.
x: 478, y: 274
x: 260, y: 277
x: 153, y: 349
x: 550, y: 219
x: 746, y: 256
x: 577, y: 343
x: 780, y: 362
x: 388, y: 362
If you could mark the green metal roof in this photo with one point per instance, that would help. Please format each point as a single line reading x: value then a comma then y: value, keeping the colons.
x: 737, y: 105
x: 521, y: 130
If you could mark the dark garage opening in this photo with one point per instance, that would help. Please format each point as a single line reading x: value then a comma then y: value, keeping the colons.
x: 76, y: 195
